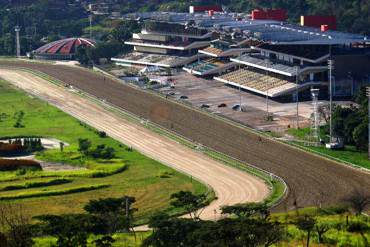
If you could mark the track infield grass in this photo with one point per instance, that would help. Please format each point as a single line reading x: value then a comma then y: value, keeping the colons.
x: 129, y: 173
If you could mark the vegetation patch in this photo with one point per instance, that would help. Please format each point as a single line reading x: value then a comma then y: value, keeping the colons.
x: 54, y: 192
x: 15, y: 164
x: 35, y: 184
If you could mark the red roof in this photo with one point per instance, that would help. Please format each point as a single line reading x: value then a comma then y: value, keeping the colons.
x: 64, y: 46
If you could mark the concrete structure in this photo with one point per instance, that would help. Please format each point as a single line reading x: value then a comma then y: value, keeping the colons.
x: 165, y: 45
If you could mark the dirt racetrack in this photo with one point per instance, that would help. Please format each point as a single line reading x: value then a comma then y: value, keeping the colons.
x: 312, y: 180
x: 231, y: 186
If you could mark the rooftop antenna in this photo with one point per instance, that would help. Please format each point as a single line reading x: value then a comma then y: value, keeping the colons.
x: 17, y: 29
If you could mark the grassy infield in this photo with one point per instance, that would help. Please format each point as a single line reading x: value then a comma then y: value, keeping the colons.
x: 130, y: 173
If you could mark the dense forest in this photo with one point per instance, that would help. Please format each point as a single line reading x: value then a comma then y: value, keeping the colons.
x: 52, y: 19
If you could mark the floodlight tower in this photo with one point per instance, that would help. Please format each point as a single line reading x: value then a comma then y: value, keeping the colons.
x: 316, y: 120
x: 17, y: 29
x: 368, y: 96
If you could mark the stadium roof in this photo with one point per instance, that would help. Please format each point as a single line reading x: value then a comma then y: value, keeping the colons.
x: 64, y: 46
x: 269, y: 31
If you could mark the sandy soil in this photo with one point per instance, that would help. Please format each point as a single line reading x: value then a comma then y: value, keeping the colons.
x: 230, y: 185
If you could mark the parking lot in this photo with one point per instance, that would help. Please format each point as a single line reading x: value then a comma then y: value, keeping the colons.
x: 221, y: 99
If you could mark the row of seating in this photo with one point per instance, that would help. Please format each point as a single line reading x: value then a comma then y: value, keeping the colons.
x: 203, y: 65
x: 213, y: 50
x: 255, y: 80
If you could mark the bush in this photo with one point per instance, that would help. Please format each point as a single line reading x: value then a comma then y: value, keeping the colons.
x: 103, y: 152
x: 7, y: 149
x: 358, y: 226
x: 12, y: 165
x: 102, y: 134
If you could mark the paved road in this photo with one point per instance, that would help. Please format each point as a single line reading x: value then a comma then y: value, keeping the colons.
x: 230, y: 185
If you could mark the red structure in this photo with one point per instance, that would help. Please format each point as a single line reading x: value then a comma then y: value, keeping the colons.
x: 214, y: 8
x: 269, y: 14
x: 317, y: 21
x: 62, y: 49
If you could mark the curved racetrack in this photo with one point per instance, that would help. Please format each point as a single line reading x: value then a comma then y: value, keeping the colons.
x: 312, y: 180
x: 231, y: 186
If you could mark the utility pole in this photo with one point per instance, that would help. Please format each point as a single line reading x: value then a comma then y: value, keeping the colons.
x: 17, y: 29
x: 331, y: 66
x: 297, y: 96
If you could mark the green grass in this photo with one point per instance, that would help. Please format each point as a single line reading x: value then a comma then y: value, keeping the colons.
x: 130, y: 173
x: 348, y: 155
x: 122, y: 239
x: 334, y: 217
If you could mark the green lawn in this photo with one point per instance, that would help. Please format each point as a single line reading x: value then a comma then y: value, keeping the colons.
x: 348, y: 154
x: 121, y: 239
x: 130, y: 173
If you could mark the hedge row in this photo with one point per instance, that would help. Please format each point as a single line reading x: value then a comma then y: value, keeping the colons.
x: 11, y: 149
x: 36, y: 184
x: 55, y: 192
x: 11, y: 165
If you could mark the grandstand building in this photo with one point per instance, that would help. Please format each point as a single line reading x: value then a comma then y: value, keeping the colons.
x: 216, y: 57
x: 269, y: 57
x: 165, y: 45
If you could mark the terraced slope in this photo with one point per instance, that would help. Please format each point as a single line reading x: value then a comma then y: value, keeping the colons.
x: 311, y: 179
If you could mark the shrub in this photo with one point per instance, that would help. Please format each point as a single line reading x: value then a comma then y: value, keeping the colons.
x: 102, y: 134
x: 12, y: 165
x: 11, y: 149
x: 358, y: 226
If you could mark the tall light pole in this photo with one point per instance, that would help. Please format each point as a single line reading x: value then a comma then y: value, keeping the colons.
x: 240, y: 90
x: 368, y: 97
x: 296, y: 92
x: 90, y: 21
x: 331, y: 66
x: 17, y: 29
x: 267, y: 62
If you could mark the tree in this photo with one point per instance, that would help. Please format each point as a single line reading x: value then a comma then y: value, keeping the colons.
x: 84, y: 145
x: 358, y: 201
x: 82, y: 55
x: 306, y: 223
x: 15, y: 227
x: 360, y: 136
x: 190, y: 202
x: 115, y: 213
x: 247, y: 210
x: 105, y: 241
x: 321, y: 228
x: 70, y: 230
